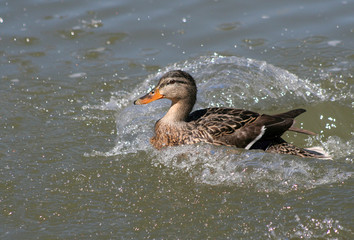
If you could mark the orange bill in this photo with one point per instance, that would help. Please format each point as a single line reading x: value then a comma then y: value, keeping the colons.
x: 150, y: 97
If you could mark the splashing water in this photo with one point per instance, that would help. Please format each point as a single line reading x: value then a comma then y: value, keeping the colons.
x: 230, y: 82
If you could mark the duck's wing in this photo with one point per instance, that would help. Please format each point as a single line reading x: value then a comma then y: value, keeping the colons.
x: 223, y: 125
x: 223, y: 117
x: 242, y: 128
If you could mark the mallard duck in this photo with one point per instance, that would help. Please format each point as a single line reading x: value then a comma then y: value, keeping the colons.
x: 220, y: 126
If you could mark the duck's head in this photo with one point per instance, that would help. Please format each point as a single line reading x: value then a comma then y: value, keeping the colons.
x: 175, y: 85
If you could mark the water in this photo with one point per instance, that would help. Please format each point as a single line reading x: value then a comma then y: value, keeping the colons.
x: 76, y: 162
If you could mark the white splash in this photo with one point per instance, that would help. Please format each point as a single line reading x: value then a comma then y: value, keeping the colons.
x: 334, y: 43
x: 77, y: 75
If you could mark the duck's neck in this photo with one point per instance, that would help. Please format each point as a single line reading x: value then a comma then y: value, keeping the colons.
x: 179, y: 111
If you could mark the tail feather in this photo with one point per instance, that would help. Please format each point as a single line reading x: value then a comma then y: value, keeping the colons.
x: 290, y: 114
x: 299, y: 130
x: 293, y: 114
x: 319, y: 151
x: 288, y: 148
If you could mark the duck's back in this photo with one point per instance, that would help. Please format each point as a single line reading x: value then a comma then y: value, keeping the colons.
x: 241, y: 128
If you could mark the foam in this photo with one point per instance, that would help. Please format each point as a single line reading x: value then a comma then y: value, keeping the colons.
x: 215, y: 165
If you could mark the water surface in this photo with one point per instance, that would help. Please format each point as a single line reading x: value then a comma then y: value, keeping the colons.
x: 76, y: 162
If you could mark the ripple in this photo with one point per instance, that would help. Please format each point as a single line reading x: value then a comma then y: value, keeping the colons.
x: 229, y: 26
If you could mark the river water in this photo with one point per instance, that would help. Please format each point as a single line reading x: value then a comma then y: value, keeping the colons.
x: 76, y: 162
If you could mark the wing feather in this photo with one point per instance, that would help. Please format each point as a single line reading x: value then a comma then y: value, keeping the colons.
x: 240, y: 128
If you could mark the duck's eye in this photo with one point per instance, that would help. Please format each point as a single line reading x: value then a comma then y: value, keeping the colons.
x: 172, y: 81
x: 152, y: 92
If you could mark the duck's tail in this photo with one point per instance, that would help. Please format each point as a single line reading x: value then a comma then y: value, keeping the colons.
x: 288, y: 148
x: 319, y: 152
x: 299, y: 130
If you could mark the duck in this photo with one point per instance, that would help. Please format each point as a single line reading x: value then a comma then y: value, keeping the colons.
x: 239, y: 128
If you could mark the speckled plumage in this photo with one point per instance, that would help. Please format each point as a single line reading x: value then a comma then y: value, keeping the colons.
x: 220, y: 126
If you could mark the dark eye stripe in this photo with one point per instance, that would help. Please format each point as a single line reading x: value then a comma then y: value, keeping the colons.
x: 173, y: 81
x: 177, y: 81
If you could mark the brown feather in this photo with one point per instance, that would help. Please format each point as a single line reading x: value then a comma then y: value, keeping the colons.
x: 220, y: 126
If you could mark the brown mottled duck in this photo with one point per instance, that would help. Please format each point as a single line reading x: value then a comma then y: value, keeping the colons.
x: 220, y: 126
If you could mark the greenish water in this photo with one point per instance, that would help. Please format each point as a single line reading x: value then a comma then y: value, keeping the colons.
x: 76, y: 162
